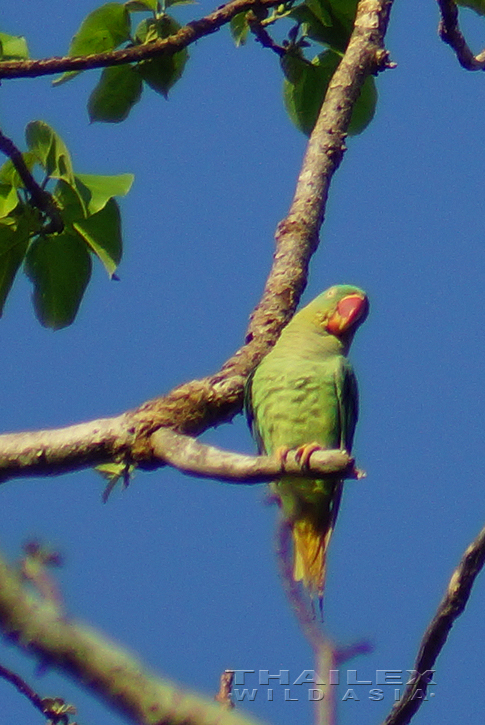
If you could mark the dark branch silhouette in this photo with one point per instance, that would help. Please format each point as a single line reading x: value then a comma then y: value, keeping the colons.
x: 187, y: 35
x: 40, y: 198
x: 449, y: 609
x: 450, y: 33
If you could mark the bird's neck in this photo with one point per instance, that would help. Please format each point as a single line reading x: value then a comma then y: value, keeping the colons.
x: 311, y: 341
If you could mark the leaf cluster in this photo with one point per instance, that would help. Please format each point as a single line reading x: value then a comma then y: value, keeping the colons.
x: 58, y: 263
x: 313, y: 23
x: 120, y: 87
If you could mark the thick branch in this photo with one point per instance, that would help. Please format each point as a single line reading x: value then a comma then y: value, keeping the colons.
x: 95, y: 662
x: 167, y: 46
x: 450, y: 33
x: 449, y: 609
x: 59, y: 451
x: 51, y: 452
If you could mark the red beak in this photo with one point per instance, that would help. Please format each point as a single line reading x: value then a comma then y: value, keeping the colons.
x: 349, y: 310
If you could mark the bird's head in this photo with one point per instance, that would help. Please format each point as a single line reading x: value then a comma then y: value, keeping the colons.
x: 338, y: 312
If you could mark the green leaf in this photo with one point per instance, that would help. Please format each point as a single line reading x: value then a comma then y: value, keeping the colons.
x: 101, y: 188
x: 8, y: 199
x: 59, y: 266
x: 115, y: 95
x: 14, y: 240
x: 103, y: 29
x: 170, y: 3
x: 9, y: 174
x: 336, y: 34
x: 345, y: 11
x: 477, y: 5
x: 305, y: 88
x: 239, y: 29
x: 71, y: 201
x: 134, y: 5
x: 13, y: 47
x: 102, y: 232
x: 365, y: 107
x: 161, y: 73
x: 320, y: 9
x: 113, y: 472
x: 50, y: 150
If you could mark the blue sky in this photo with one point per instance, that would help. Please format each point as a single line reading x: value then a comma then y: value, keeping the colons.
x: 182, y: 571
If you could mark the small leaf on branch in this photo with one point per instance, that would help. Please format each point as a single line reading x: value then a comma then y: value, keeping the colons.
x: 161, y: 73
x: 170, y: 3
x: 10, y: 175
x: 50, y: 150
x: 70, y: 202
x: 320, y: 9
x: 239, y: 28
x: 477, y: 5
x: 13, y: 47
x: 118, y: 90
x: 102, y: 232
x: 305, y: 87
x: 8, y: 199
x: 135, y: 5
x: 59, y: 266
x: 101, y: 188
x: 334, y: 32
x: 103, y: 29
x: 14, y: 240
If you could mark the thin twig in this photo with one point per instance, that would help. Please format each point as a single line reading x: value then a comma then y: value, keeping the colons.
x: 449, y: 31
x: 187, y: 35
x: 39, y: 197
x: 224, y: 696
x: 262, y: 35
x: 197, y: 459
x: 328, y: 655
x: 449, y: 609
x: 52, y: 707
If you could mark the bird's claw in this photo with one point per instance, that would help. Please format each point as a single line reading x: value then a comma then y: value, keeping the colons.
x: 304, y: 453
x: 281, y: 454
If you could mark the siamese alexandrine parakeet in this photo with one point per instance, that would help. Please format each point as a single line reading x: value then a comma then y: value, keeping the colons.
x: 303, y: 396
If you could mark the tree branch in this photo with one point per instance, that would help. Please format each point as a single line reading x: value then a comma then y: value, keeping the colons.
x: 196, y: 459
x: 100, y: 665
x: 54, y: 452
x: 449, y: 609
x: 53, y: 708
x: 39, y: 197
x: 193, y: 407
x: 450, y: 33
x: 167, y: 46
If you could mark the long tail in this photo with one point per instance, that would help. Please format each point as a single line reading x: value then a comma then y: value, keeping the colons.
x: 311, y: 536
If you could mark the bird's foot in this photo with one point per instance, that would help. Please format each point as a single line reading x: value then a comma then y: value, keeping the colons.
x: 303, y: 453
x: 281, y: 453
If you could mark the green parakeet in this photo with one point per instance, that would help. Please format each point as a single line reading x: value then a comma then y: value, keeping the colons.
x: 303, y: 396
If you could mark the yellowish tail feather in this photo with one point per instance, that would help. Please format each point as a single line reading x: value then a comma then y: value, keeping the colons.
x: 309, y: 550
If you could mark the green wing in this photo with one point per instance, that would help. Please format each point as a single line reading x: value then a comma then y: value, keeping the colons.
x: 348, y: 402
x: 250, y: 417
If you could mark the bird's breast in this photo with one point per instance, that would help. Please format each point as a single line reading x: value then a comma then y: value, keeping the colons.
x: 296, y: 402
